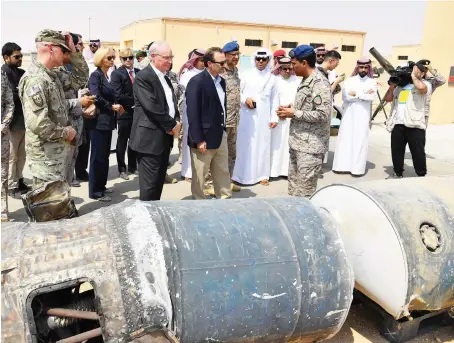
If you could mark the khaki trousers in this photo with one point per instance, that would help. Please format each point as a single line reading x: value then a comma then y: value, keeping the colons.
x: 16, y: 157
x: 217, y: 162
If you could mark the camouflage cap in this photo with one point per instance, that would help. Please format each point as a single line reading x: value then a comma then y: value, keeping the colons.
x: 52, y: 36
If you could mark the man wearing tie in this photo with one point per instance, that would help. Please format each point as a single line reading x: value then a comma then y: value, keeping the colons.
x: 156, y: 121
x: 122, y: 81
x: 207, y: 137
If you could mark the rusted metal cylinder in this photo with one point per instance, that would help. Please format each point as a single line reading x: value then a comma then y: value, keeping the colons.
x: 399, y: 235
x: 268, y: 270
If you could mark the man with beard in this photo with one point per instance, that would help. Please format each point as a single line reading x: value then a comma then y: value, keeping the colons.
x: 287, y: 84
x: 89, y: 53
x: 259, y: 102
x: 352, y: 142
x: 320, y: 56
x: 12, y: 56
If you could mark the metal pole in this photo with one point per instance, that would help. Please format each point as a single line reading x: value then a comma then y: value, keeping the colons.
x: 82, y: 337
x: 89, y: 28
x: 64, y: 312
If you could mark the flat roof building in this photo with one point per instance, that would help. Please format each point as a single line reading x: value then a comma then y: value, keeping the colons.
x: 187, y: 34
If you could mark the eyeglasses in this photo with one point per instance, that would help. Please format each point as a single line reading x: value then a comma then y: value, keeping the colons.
x: 17, y: 57
x: 221, y: 63
x: 131, y: 58
x: 110, y: 58
x: 261, y: 59
x: 167, y: 58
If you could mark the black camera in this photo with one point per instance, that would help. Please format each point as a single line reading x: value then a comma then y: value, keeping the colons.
x: 400, y: 76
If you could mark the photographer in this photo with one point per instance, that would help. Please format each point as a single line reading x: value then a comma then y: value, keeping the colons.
x: 409, y: 93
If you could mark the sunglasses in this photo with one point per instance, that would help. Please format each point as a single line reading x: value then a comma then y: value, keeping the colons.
x: 110, y: 58
x: 220, y: 63
x: 17, y: 57
x: 286, y: 69
x: 261, y: 59
x: 320, y: 55
x: 131, y: 58
x: 92, y: 45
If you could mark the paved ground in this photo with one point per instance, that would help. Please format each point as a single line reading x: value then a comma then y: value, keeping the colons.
x: 362, y: 324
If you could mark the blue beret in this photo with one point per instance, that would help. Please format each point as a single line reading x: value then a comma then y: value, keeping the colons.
x: 301, y: 51
x: 231, y: 46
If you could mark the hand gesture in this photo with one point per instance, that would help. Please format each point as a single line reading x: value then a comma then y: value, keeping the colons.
x: 284, y: 112
x: 87, y: 100
x: 202, y: 146
x: 273, y: 125
x: 250, y: 103
x: 71, y: 134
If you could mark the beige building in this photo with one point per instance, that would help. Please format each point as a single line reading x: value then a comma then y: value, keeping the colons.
x: 404, y: 53
x: 187, y: 34
x: 438, y: 46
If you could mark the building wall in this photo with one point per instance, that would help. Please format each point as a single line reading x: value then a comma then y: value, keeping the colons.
x: 413, y: 52
x: 185, y: 35
x: 438, y: 47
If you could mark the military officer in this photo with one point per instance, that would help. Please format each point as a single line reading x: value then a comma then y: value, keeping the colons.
x: 310, y: 124
x: 73, y: 76
x: 7, y: 117
x: 46, y: 111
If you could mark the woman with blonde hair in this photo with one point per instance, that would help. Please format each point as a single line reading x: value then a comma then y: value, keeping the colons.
x: 101, y: 126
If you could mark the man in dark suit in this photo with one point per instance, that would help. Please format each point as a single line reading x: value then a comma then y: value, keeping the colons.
x: 156, y: 121
x: 122, y: 81
x: 207, y: 138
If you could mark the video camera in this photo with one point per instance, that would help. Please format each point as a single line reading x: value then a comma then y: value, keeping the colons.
x: 400, y: 76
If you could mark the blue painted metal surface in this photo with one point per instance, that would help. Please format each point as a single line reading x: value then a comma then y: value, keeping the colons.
x: 266, y: 270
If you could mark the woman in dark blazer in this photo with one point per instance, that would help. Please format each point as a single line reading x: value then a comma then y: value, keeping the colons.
x: 102, y: 125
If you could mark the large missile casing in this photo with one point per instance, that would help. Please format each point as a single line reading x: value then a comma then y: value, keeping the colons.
x: 399, y: 236
x: 250, y: 270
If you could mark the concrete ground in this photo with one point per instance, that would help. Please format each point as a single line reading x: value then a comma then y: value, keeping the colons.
x: 362, y: 324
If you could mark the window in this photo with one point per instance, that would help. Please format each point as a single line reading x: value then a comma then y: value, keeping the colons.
x: 289, y: 45
x: 317, y: 45
x: 253, y: 42
x: 350, y: 48
x: 402, y: 58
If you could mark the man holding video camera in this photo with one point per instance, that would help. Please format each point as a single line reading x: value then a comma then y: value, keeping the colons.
x: 409, y: 94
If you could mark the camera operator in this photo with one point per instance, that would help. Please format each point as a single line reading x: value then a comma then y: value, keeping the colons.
x: 409, y: 93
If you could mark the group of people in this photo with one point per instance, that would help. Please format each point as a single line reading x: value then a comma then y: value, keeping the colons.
x: 273, y: 121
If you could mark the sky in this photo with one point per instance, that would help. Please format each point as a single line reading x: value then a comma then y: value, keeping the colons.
x: 386, y: 23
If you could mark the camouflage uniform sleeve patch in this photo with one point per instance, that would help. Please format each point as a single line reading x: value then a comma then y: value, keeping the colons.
x: 35, y: 97
x: 317, y: 100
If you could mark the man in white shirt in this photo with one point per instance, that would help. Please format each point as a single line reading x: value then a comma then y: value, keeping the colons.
x: 352, y: 142
x: 156, y: 121
x: 207, y: 137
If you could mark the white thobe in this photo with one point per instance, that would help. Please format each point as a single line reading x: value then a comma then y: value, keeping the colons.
x: 89, y: 58
x: 186, y: 170
x: 253, y: 162
x: 280, y: 152
x: 353, y: 138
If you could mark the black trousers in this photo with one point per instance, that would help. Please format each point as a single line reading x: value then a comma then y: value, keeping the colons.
x: 416, y: 139
x: 152, y: 172
x: 99, y: 162
x: 124, y: 132
x: 82, y: 157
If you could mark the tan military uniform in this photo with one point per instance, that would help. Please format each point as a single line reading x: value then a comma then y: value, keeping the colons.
x: 7, y: 117
x: 309, y: 134
x: 232, y: 83
x: 46, y: 114
x: 72, y: 81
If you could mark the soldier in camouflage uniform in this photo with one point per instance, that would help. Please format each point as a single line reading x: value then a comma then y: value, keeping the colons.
x: 309, y: 128
x: 7, y: 117
x: 232, y: 84
x: 46, y: 111
x: 73, y: 80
